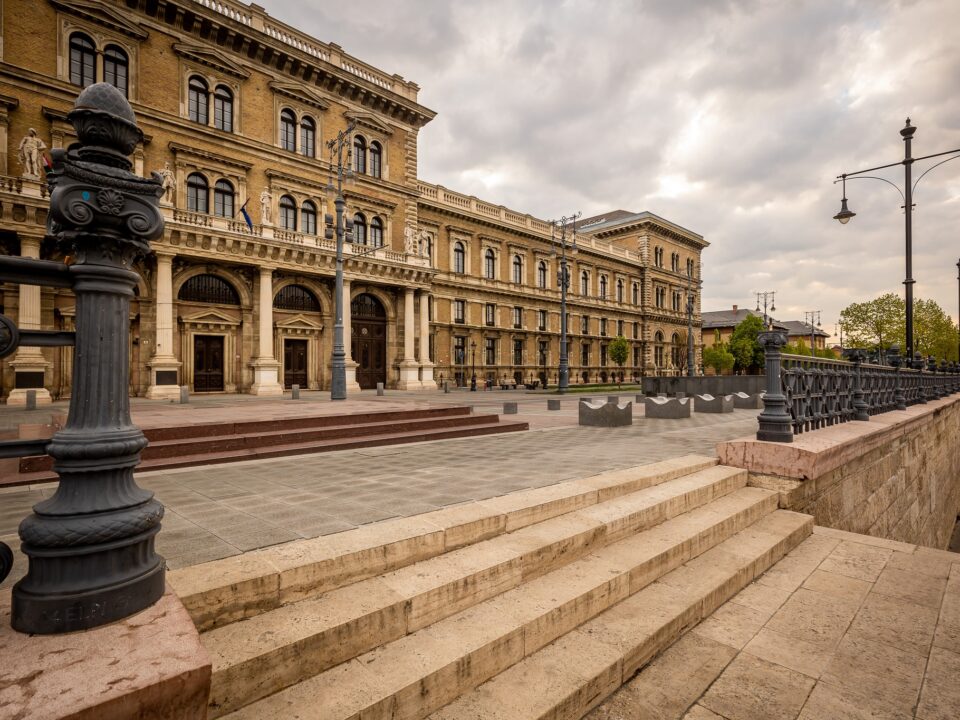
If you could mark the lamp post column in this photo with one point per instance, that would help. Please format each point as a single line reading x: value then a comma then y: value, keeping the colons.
x: 563, y: 380
x: 907, y: 133
x: 338, y: 380
x: 958, y: 310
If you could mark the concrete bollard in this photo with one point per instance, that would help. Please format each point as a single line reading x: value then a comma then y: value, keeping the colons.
x: 681, y: 394
x: 379, y: 389
x: 31, y: 400
x: 446, y: 386
x: 294, y: 392
x: 553, y: 404
x: 615, y: 399
x: 640, y: 399
x: 597, y: 413
x: 184, y: 394
x: 509, y: 408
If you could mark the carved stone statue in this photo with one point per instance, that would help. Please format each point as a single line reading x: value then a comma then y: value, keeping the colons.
x: 411, y: 245
x: 266, y: 200
x: 169, y: 184
x: 423, y: 241
x: 30, y: 149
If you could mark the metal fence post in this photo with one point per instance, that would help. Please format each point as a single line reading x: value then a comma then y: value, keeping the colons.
x: 91, y: 545
x: 860, y: 407
x: 775, y: 420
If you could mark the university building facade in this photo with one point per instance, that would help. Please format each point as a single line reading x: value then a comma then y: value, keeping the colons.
x: 237, y: 110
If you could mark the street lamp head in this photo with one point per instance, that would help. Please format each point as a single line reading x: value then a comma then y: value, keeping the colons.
x: 773, y: 308
x: 908, y: 130
x: 845, y: 214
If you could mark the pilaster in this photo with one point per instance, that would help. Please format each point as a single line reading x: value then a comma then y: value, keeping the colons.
x: 265, y: 366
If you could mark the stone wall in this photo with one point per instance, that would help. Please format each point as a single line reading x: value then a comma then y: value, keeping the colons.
x: 896, y: 476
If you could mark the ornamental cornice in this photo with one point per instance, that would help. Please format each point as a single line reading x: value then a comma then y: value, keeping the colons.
x: 369, y: 121
x: 369, y: 199
x: 299, y: 93
x: 103, y: 15
x: 296, y: 180
x: 211, y: 58
x: 180, y: 151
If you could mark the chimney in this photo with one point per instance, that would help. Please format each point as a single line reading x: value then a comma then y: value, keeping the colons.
x: 734, y: 309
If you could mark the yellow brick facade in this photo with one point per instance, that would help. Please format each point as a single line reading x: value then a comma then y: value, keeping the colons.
x: 278, y: 276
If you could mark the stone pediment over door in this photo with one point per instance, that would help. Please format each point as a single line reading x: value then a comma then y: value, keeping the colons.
x: 210, y: 320
x: 300, y: 325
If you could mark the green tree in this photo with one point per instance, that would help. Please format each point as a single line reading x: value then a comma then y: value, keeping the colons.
x: 719, y: 358
x: 744, y: 346
x: 933, y: 330
x: 618, y: 350
x: 876, y: 324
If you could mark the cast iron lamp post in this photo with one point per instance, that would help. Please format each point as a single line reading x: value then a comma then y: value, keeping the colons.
x: 766, y: 296
x: 338, y: 376
x: 473, y: 366
x: 845, y: 214
x: 691, y: 356
x: 958, y: 316
x: 563, y: 280
x: 811, y: 316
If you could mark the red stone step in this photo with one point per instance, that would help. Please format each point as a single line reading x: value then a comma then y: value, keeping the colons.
x: 398, y: 432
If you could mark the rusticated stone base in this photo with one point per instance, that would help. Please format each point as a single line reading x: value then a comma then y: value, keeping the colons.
x: 896, y: 476
x: 149, y: 666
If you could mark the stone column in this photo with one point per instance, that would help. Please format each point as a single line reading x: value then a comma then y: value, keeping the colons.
x: 409, y: 367
x: 164, y: 366
x: 426, y: 367
x: 350, y: 365
x: 264, y: 365
x: 29, y: 364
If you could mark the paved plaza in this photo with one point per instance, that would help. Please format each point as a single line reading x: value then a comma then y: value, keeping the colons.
x: 219, y: 510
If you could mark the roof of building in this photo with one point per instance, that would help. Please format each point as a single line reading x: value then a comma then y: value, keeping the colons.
x: 796, y: 328
x: 726, y: 318
x: 615, y: 218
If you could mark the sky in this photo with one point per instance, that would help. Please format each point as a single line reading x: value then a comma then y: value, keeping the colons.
x: 731, y: 119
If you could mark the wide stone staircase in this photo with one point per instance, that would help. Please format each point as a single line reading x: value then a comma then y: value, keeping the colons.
x: 202, y: 444
x: 537, y: 604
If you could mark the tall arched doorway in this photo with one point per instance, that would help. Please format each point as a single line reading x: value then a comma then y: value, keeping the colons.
x: 368, y: 321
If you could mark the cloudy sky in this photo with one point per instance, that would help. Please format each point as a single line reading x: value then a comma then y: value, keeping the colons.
x: 729, y: 118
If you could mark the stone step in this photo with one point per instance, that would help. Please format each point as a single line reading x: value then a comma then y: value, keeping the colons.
x: 263, y: 654
x: 421, y: 672
x: 574, y: 674
x: 491, y: 425
x: 230, y: 589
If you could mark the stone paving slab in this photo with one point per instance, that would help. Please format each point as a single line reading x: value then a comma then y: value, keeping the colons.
x: 221, y: 510
x: 842, y: 628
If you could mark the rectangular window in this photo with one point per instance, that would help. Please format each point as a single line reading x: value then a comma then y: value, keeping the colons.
x: 490, y: 351
x: 542, y: 319
x: 636, y: 331
x: 603, y: 326
x: 518, y: 318
x: 459, y: 350
x: 459, y: 311
x: 585, y: 355
x: 542, y: 352
x: 489, y: 314
x: 585, y: 325
x: 619, y: 327
x: 603, y: 355
x: 636, y: 357
x: 518, y: 352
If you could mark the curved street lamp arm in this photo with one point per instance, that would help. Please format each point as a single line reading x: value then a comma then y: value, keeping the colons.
x: 931, y: 168
x: 874, y: 177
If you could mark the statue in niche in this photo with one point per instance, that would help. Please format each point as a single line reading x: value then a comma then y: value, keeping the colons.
x: 411, y: 241
x: 30, y: 151
x: 168, y: 182
x: 265, y: 204
x: 423, y: 241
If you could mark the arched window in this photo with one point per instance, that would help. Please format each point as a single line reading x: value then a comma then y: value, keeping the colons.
x: 619, y: 291
x: 197, y: 105
x: 116, y: 68
x: 658, y: 349
x: 83, y: 60
x: 198, y: 193
x: 376, y: 159
x: 288, y: 213
x: 636, y: 294
x: 360, y: 229
x: 308, y: 137
x: 541, y: 274
x: 376, y: 232
x: 223, y: 108
x: 603, y: 287
x: 359, y: 155
x: 208, y: 289
x: 296, y: 298
x: 584, y: 283
x: 308, y: 218
x: 517, y: 269
x: 223, y: 199
x: 288, y: 130
x: 490, y: 264
x: 459, y: 258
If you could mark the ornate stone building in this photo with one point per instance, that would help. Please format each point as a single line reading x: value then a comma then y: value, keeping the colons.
x: 237, y: 110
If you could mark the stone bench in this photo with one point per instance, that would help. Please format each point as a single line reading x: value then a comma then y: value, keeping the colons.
x: 596, y: 413
x: 667, y: 408
x: 711, y: 404
x: 748, y: 402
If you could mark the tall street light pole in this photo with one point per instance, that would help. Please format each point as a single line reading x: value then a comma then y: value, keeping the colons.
x: 691, y: 356
x: 766, y: 296
x: 958, y: 310
x: 845, y: 215
x: 473, y: 363
x: 811, y: 316
x: 563, y: 280
x: 338, y: 378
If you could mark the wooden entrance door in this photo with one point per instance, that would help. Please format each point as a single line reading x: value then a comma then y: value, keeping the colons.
x: 207, y: 363
x: 295, y: 363
x: 369, y: 343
